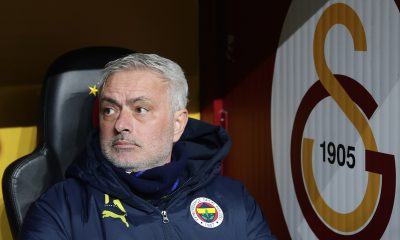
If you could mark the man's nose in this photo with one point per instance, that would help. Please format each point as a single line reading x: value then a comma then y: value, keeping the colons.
x: 124, y: 121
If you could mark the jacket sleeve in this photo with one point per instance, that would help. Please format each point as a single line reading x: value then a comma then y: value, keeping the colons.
x: 47, y: 218
x: 257, y: 226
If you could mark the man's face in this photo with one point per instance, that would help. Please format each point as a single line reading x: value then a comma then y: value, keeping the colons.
x: 137, y: 125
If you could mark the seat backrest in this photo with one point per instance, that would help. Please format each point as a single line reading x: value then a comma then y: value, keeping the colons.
x: 65, y: 123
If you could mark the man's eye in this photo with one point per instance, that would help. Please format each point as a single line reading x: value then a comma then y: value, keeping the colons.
x: 108, y: 111
x: 141, y: 110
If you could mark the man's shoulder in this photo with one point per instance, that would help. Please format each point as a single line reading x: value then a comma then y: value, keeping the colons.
x: 54, y: 210
x: 66, y: 184
x: 227, y: 185
x: 226, y: 180
x: 63, y: 190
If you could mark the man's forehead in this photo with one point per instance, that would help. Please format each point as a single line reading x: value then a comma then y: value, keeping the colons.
x: 134, y: 84
x: 139, y: 99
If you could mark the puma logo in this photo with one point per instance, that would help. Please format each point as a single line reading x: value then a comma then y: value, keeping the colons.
x: 107, y: 213
x: 116, y: 203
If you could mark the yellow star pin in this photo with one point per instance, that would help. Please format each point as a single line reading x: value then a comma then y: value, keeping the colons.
x: 93, y: 90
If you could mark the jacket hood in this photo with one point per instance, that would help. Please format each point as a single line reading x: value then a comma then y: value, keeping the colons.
x: 205, y: 145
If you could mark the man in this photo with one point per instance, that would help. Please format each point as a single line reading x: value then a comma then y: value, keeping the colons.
x: 148, y: 172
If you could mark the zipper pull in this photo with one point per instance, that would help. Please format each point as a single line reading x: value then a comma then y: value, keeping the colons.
x: 164, y: 216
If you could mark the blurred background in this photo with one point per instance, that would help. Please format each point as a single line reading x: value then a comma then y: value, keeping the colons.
x: 226, y: 48
x: 34, y: 33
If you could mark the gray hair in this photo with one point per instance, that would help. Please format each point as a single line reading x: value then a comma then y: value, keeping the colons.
x: 169, y: 70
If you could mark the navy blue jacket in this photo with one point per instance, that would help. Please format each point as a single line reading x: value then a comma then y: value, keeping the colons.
x: 94, y: 203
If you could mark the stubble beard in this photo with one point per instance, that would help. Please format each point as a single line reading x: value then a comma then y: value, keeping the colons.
x: 139, y: 160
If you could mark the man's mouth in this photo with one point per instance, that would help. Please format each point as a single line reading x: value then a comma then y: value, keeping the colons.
x: 124, y: 144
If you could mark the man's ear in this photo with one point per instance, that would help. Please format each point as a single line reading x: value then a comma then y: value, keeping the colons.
x: 180, y: 120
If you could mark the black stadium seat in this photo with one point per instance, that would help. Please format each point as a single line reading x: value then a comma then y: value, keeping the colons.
x: 66, y: 119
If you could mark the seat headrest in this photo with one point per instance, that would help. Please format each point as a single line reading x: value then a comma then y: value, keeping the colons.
x: 68, y: 103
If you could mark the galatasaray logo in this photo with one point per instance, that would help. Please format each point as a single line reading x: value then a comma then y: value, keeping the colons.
x: 334, y: 125
x: 370, y: 218
x: 206, y: 212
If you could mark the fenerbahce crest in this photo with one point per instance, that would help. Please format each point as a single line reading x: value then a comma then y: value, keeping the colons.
x: 206, y: 212
x: 335, y: 119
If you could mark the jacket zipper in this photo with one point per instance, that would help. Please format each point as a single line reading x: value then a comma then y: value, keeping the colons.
x: 165, y: 227
x: 164, y: 216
